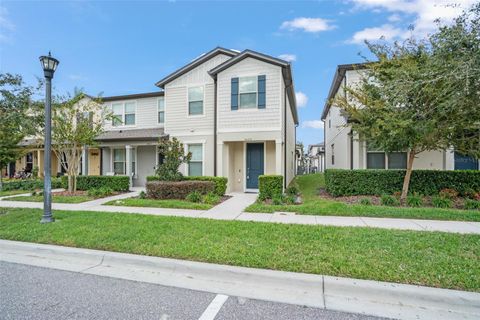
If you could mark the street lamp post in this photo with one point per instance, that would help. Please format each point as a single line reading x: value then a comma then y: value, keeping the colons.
x: 49, y: 65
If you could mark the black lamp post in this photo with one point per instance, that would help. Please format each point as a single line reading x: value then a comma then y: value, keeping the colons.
x: 49, y: 65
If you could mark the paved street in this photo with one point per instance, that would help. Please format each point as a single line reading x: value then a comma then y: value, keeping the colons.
x: 28, y: 292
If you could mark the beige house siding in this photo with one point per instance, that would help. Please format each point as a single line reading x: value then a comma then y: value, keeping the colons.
x: 146, y: 115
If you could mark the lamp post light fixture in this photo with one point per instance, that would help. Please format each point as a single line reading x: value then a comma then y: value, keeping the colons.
x: 49, y: 65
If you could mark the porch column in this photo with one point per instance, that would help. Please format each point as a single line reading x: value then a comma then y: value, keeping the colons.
x: 128, y: 163
x: 85, y: 161
x: 278, y: 157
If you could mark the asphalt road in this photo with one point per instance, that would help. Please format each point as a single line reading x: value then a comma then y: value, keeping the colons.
x: 28, y: 292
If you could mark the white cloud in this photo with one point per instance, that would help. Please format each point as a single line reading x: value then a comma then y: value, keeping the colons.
x: 288, y: 57
x: 312, y: 25
x: 301, y: 98
x: 386, y: 32
x: 421, y: 14
x: 6, y: 26
x: 314, y: 124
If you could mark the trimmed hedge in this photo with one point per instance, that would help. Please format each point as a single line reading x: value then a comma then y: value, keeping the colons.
x: 220, y: 182
x: 116, y: 183
x: 270, y: 186
x: 377, y: 182
x: 177, y: 189
x: 29, y: 184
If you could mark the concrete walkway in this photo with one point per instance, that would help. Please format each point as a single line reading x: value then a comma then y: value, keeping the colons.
x: 232, y: 208
x: 376, y: 298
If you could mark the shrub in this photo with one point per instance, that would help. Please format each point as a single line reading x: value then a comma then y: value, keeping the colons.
x: 211, y: 198
x: 414, y: 200
x: 289, y: 199
x: 270, y: 186
x: 366, y: 201
x: 448, y: 193
x: 220, y: 183
x: 174, y: 155
x: 440, y: 202
x: 100, y: 192
x: 388, y: 200
x: 471, y: 204
x: 29, y: 184
x: 376, y: 182
x: 116, y: 183
x: 472, y: 194
x: 277, y: 200
x: 194, y: 196
x: 177, y: 189
x: 292, y: 190
x: 142, y: 195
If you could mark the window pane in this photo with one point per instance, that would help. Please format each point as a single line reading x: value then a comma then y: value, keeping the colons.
x: 133, y: 167
x: 129, y: 119
x: 195, y: 169
x: 161, y: 117
x: 195, y: 94
x: 133, y: 154
x: 116, y: 121
x: 248, y: 100
x: 130, y: 107
x: 161, y: 104
x: 375, y: 160
x: 195, y: 107
x: 248, y: 84
x: 196, y: 150
x: 397, y: 160
x: 117, y: 108
x: 119, y: 155
x: 119, y: 167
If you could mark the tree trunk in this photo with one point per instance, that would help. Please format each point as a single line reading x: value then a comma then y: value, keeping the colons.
x: 408, y: 174
x: 70, y: 183
x: 1, y: 181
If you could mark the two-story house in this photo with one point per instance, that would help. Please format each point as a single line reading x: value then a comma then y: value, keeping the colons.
x: 316, y: 157
x: 344, y: 149
x: 234, y: 111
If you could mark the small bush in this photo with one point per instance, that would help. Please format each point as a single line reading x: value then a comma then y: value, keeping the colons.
x: 29, y: 184
x: 292, y: 190
x: 472, y: 194
x: 220, y: 183
x: 448, y: 193
x: 34, y: 193
x: 177, y: 189
x: 270, y: 186
x: 277, y: 200
x: 366, y: 202
x: 440, y: 202
x: 414, y: 200
x: 211, y: 198
x: 142, y: 195
x: 289, y: 199
x: 116, y: 183
x: 194, y: 196
x: 388, y: 200
x: 100, y: 192
x: 471, y: 204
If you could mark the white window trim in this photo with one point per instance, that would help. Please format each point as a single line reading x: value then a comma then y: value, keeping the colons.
x: 164, y: 113
x: 123, y: 125
x: 112, y: 159
x: 203, y: 102
x: 256, y: 92
x: 185, y: 148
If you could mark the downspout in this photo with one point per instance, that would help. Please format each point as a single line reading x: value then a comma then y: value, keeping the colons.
x: 215, y: 127
x: 351, y: 149
x: 285, y: 139
x: 101, y: 161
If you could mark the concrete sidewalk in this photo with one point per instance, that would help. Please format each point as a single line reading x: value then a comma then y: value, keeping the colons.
x: 232, y: 208
x: 332, y: 293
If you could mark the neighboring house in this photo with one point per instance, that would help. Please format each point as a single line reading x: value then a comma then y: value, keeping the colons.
x: 234, y: 111
x: 316, y: 157
x: 343, y: 149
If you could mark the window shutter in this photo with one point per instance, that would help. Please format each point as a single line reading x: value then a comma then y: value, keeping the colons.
x: 261, y: 92
x: 234, y: 99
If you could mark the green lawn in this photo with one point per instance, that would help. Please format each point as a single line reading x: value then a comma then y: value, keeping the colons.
x: 314, y: 205
x: 424, y: 258
x: 12, y: 192
x: 168, y: 203
x: 55, y: 199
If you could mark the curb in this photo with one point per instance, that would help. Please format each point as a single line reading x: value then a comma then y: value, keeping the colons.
x: 333, y: 293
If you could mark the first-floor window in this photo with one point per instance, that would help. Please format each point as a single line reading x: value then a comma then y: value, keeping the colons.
x: 29, y: 162
x: 195, y: 165
x: 134, y: 160
x: 333, y: 154
x: 119, y: 161
x: 375, y: 160
x: 397, y: 160
x: 378, y: 159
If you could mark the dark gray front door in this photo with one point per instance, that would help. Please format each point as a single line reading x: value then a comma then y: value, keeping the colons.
x: 254, y: 164
x: 463, y: 162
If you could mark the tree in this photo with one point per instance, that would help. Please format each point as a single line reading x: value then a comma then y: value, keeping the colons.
x: 174, y: 155
x: 16, y: 120
x: 76, y: 123
x: 420, y: 95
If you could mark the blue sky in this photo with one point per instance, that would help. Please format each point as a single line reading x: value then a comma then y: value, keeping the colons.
x: 122, y: 47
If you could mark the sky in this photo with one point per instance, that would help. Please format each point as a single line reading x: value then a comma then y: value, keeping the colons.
x: 124, y: 47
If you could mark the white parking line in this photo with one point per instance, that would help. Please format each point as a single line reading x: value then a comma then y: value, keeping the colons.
x: 214, y: 307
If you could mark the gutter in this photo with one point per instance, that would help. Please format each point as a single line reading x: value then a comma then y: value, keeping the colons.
x: 285, y: 139
x: 215, y: 127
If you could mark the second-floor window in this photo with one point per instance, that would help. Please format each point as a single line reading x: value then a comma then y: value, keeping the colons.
x: 247, y: 91
x: 195, y: 101
x: 161, y: 110
x: 123, y: 114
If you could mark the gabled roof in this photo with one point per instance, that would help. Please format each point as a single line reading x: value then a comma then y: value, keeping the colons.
x: 337, y: 81
x: 195, y: 63
x: 133, y: 96
x: 286, y: 72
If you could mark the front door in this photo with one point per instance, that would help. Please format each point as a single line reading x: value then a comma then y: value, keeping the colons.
x: 254, y: 164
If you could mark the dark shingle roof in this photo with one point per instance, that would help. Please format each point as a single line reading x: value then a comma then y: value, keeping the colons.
x: 132, y: 134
